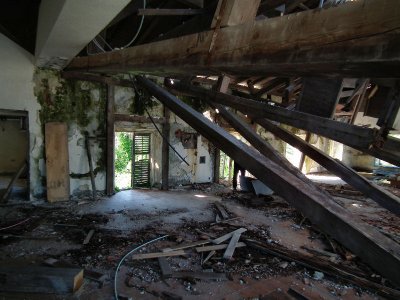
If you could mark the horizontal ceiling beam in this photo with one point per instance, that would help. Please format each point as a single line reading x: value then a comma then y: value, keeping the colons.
x: 356, y: 39
x: 364, y: 139
x: 379, y: 251
x: 169, y: 12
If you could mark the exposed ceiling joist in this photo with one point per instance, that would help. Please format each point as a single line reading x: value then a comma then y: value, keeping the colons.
x: 359, y: 39
x: 364, y: 139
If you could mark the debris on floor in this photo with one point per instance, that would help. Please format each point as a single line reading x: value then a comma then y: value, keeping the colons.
x: 235, y: 246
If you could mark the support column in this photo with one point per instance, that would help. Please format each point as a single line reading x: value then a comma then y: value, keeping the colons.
x: 303, y: 156
x: 222, y: 86
x: 110, y: 172
x: 165, y: 151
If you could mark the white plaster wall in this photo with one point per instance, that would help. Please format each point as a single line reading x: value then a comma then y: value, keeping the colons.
x: 357, y: 159
x: 204, y: 172
x: 16, y: 87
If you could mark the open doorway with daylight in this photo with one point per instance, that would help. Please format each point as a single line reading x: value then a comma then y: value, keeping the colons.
x: 225, y: 169
x: 14, y: 141
x: 132, y: 160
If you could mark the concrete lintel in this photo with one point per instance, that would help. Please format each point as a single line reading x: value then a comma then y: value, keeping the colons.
x: 66, y: 27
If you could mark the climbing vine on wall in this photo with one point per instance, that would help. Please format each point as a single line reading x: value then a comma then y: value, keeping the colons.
x: 74, y: 103
x: 141, y: 101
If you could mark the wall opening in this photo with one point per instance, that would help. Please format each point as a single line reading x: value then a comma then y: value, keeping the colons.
x: 14, y: 153
x: 225, y: 168
x: 123, y: 160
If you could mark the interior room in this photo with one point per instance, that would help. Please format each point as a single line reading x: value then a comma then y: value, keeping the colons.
x: 199, y: 149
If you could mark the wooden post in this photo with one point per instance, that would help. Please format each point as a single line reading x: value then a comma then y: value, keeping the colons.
x: 165, y: 150
x: 222, y: 86
x: 110, y: 141
x: 57, y: 161
x: 303, y: 156
x: 217, y: 162
x: 89, y: 156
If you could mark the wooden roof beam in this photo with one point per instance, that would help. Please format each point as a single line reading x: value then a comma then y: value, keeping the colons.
x: 356, y: 39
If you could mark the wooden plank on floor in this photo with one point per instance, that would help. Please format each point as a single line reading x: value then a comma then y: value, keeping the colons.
x: 232, y: 246
x: 34, y: 279
x: 88, y: 237
x: 158, y: 254
x: 185, y: 246
x: 228, y: 236
x: 165, y: 267
x: 57, y: 161
x: 217, y: 247
x: 222, y: 210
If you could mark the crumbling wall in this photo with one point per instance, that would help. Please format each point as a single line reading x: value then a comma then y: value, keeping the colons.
x: 82, y: 106
x: 17, y: 68
x: 357, y: 159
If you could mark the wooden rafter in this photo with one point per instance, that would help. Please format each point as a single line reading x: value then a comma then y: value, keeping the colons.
x: 343, y: 40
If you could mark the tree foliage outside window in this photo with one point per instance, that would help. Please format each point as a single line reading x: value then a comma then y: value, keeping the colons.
x: 123, y: 152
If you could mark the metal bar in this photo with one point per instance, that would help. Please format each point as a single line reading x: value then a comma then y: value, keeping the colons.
x: 370, y: 189
x: 166, y: 139
x: 379, y: 251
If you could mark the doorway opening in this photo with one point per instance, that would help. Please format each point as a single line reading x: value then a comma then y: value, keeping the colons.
x: 225, y: 168
x: 14, y: 141
x: 123, y: 160
x: 132, y: 160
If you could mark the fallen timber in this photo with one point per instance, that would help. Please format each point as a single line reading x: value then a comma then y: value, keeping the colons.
x: 380, y: 252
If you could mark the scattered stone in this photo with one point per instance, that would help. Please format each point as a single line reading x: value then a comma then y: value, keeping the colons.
x: 283, y: 265
x: 306, y: 280
x: 318, y: 275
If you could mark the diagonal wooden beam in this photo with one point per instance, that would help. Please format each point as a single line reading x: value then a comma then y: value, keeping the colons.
x: 344, y: 40
x: 368, y: 188
x: 258, y: 142
x: 379, y: 251
x: 362, y: 139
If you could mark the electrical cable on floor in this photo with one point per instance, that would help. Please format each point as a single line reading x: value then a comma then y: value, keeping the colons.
x: 19, y: 223
x: 125, y: 256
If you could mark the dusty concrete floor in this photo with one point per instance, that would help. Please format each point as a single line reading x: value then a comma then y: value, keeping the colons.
x: 131, y: 218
